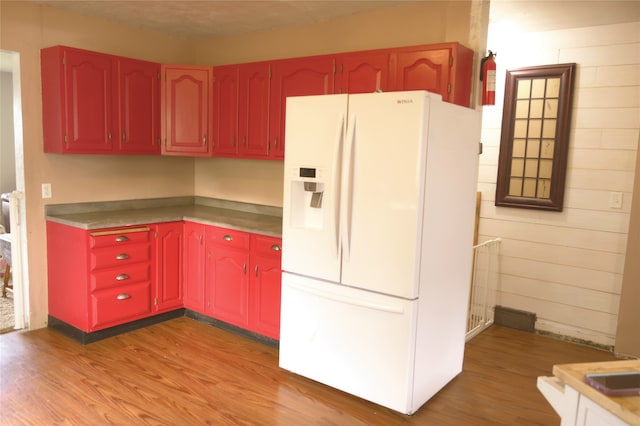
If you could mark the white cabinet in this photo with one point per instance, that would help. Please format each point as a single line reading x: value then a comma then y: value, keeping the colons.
x: 574, y: 407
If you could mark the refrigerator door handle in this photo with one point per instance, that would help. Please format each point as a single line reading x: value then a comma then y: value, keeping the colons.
x: 367, y: 304
x: 347, y: 190
x: 336, y: 175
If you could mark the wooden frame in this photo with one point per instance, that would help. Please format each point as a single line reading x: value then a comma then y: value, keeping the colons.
x: 535, y: 137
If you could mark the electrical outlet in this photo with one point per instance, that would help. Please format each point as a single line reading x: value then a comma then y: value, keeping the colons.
x: 615, y: 200
x: 46, y: 190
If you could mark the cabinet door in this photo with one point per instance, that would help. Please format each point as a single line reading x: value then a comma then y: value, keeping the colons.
x: 253, y: 110
x: 424, y: 70
x: 225, y: 111
x: 227, y: 275
x: 265, y: 286
x: 193, y: 277
x: 362, y: 73
x: 138, y: 107
x: 186, y: 107
x: 299, y: 77
x: 88, y: 103
x: 169, y: 243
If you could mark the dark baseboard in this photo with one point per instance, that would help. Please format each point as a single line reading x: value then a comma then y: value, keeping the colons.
x: 514, y: 318
x: 84, y: 338
x: 268, y: 341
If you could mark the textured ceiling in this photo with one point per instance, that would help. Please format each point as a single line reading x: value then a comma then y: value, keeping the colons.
x: 212, y: 18
x: 546, y: 15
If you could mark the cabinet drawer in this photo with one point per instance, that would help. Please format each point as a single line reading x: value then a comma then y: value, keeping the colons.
x: 270, y: 246
x: 119, y: 237
x: 109, y: 257
x: 228, y: 237
x: 120, y: 276
x: 120, y: 304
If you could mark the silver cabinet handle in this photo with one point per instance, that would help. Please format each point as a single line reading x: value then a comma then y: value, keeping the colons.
x: 123, y: 296
x: 276, y: 247
x: 122, y: 238
x: 227, y: 238
x: 244, y: 268
x: 256, y: 270
x: 122, y: 277
x: 122, y: 256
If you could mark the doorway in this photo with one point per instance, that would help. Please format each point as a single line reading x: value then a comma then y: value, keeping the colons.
x: 12, y: 146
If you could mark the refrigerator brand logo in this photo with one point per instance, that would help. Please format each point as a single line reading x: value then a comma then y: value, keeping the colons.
x: 405, y: 101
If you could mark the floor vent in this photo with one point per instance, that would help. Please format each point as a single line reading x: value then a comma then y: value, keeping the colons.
x: 514, y: 318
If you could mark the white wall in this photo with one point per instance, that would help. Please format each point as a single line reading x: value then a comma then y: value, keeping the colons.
x: 567, y: 266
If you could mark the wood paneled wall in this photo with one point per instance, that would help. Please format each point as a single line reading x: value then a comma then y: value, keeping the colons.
x: 567, y: 267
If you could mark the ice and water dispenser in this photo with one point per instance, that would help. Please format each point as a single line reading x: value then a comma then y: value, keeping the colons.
x: 307, y: 190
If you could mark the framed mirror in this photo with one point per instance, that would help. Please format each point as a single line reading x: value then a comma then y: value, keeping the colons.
x: 535, y: 137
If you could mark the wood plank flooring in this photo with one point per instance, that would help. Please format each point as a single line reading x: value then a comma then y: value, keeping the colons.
x: 183, y: 372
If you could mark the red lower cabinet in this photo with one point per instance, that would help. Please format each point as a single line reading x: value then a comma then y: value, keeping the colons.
x: 99, y: 278
x: 108, y: 277
x: 265, y: 285
x: 226, y: 277
x: 193, y: 276
x: 168, y: 266
x: 243, y: 279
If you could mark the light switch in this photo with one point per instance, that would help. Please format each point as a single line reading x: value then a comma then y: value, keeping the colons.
x: 615, y: 200
x: 46, y: 190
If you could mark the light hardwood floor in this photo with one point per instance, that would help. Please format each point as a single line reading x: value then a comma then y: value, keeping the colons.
x: 183, y: 372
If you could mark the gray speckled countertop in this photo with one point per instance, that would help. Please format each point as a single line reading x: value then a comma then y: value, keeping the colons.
x: 265, y: 220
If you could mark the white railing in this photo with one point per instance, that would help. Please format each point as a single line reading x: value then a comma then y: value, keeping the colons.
x: 484, y: 286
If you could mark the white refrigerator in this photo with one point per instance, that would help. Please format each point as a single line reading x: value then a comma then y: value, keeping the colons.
x: 378, y: 222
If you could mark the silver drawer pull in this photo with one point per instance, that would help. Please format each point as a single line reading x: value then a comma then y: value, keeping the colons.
x: 122, y: 277
x: 276, y: 247
x: 227, y: 238
x: 122, y: 256
x: 123, y: 296
x: 122, y: 238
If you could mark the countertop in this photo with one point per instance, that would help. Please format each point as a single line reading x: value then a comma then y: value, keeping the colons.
x: 625, y: 407
x: 265, y: 220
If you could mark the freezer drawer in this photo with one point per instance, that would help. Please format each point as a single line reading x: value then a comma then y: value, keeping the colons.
x: 356, y: 341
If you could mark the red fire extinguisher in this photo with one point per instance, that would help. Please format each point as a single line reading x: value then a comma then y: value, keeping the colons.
x: 488, y: 78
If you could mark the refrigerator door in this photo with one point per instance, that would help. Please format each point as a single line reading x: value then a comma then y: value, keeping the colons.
x: 314, y: 129
x: 353, y: 340
x: 383, y: 185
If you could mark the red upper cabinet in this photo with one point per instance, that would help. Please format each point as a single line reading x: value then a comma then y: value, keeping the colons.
x: 186, y: 99
x: 253, y: 110
x: 241, y: 110
x: 295, y: 77
x: 441, y: 68
x: 99, y: 104
x: 365, y: 72
x: 138, y: 106
x: 225, y: 111
x: 77, y: 102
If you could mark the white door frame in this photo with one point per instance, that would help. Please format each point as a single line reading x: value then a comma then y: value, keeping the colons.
x: 10, y: 62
